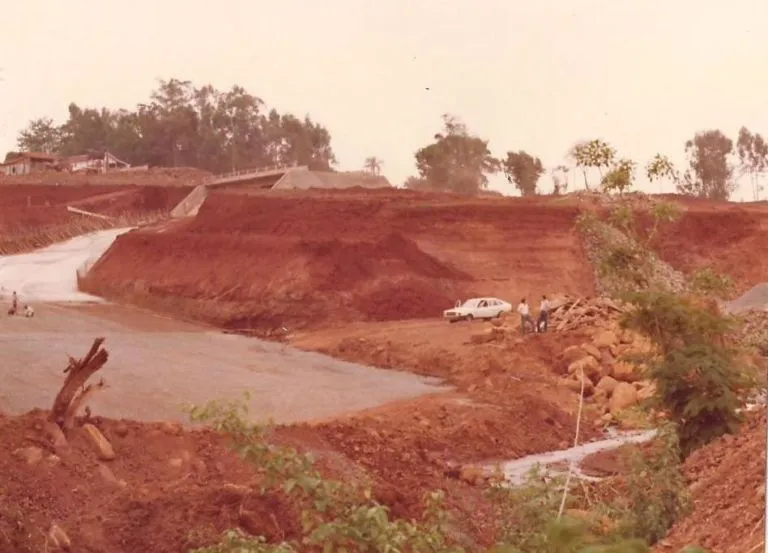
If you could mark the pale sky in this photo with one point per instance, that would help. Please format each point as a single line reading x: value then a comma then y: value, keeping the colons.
x: 644, y: 75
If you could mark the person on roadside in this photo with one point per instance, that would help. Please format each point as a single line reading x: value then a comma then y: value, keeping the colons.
x: 14, y: 304
x: 543, y: 323
x: 525, y: 315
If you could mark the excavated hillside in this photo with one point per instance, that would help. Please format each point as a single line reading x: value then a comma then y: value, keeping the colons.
x: 36, y: 215
x: 317, y: 258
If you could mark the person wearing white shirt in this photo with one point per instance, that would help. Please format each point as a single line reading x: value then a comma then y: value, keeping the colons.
x: 525, y: 315
x: 543, y: 323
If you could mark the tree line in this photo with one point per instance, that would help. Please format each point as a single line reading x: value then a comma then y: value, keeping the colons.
x: 184, y: 125
x: 459, y: 161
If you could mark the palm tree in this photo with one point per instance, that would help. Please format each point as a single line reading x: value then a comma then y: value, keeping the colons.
x: 372, y: 165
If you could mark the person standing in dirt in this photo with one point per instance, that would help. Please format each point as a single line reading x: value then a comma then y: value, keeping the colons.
x: 14, y: 304
x: 525, y: 315
x: 543, y: 323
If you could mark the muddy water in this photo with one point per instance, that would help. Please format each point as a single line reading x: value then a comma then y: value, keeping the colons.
x: 516, y: 471
x: 158, y: 365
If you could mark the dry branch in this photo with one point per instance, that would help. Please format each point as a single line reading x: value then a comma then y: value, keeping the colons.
x: 580, y: 312
x: 74, y: 392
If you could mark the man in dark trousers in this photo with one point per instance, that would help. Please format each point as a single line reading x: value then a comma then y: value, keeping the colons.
x: 542, y: 324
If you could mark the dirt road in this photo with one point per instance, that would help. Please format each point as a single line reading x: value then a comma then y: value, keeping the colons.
x: 158, y: 365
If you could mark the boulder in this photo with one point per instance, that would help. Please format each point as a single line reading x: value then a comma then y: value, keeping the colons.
x: 483, y: 337
x: 605, y: 339
x: 624, y: 395
x: 109, y: 477
x: 571, y: 354
x: 606, y: 386
x: 625, y: 372
x: 646, y: 391
x: 588, y: 364
x: 589, y: 349
x: 574, y: 383
x: 99, y: 443
x: 31, y: 455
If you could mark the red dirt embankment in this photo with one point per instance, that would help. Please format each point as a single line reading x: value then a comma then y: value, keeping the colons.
x: 727, y: 482
x: 729, y: 238
x: 317, y: 258
x: 34, y: 216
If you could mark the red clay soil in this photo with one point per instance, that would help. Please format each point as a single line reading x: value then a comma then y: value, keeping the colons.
x: 183, y: 488
x: 162, y: 508
x: 727, y: 482
x: 308, y: 259
x: 730, y: 239
x: 34, y: 216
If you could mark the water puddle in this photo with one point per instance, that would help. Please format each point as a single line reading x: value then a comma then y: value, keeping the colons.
x: 516, y: 472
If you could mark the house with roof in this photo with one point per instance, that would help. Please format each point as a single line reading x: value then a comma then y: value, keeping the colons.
x: 25, y: 163
x: 101, y: 162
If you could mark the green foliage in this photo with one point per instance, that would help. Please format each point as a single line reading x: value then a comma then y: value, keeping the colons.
x: 710, y: 174
x: 596, y: 154
x: 523, y: 170
x: 698, y: 381
x: 336, y: 516
x: 752, y: 150
x: 707, y: 282
x: 658, y: 494
x: 660, y: 168
x: 620, y: 177
x: 42, y: 135
x: 663, y: 213
x: 456, y: 161
x: 183, y: 125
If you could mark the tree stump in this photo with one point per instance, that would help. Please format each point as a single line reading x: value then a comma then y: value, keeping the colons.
x: 74, y: 392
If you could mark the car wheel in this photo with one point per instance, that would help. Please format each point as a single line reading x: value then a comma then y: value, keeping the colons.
x: 500, y: 314
x: 468, y: 318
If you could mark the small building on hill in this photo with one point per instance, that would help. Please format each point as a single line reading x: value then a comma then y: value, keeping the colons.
x: 25, y: 163
x: 101, y: 162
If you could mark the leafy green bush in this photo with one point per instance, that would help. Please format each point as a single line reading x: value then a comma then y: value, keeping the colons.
x: 335, y: 516
x: 699, y: 383
x: 658, y: 494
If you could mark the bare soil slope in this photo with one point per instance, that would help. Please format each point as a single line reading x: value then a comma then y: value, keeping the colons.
x: 732, y: 239
x: 316, y: 258
x: 727, y: 480
x: 33, y: 216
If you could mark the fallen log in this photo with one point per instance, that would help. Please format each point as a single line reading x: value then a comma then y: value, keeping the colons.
x: 73, y: 392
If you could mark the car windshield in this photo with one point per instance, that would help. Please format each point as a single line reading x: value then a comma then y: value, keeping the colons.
x: 471, y: 303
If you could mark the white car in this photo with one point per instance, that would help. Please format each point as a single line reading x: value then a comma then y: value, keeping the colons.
x: 477, y: 308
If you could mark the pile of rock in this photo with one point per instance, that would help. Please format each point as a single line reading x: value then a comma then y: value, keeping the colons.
x: 570, y: 313
x: 754, y: 332
x: 610, y: 381
x: 648, y: 269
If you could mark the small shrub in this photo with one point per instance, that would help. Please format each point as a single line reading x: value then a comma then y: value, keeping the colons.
x: 658, y: 494
x: 710, y: 283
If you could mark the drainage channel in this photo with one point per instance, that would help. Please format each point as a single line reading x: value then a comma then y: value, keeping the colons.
x: 516, y: 472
